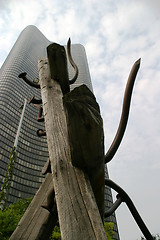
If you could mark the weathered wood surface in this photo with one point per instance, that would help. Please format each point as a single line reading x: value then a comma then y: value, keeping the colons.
x: 58, y: 61
x: 78, y: 214
x: 37, y: 223
x: 86, y: 138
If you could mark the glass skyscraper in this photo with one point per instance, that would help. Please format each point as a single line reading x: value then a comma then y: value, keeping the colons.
x: 32, y: 151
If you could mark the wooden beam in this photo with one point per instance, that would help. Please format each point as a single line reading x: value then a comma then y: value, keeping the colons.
x: 37, y: 223
x: 78, y: 214
x: 86, y: 138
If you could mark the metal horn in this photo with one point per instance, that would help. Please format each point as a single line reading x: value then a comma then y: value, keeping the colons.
x: 71, y: 62
x: 125, y: 112
x: 32, y: 84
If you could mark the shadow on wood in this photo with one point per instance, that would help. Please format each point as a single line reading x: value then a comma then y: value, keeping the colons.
x: 78, y: 214
x: 86, y: 138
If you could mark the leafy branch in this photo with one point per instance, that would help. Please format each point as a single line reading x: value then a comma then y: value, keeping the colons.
x: 7, y: 179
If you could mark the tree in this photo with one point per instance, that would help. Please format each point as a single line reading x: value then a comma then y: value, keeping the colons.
x: 10, y: 216
x: 108, y: 226
x: 56, y: 234
x: 7, y: 179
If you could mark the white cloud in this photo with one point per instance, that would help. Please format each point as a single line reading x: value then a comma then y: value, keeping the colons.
x: 22, y: 15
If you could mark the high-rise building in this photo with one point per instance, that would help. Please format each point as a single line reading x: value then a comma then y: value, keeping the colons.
x: 32, y: 151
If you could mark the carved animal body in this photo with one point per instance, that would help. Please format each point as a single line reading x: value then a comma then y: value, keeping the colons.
x: 86, y: 137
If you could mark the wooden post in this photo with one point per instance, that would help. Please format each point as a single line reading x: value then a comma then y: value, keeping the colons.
x: 37, y: 223
x: 78, y: 214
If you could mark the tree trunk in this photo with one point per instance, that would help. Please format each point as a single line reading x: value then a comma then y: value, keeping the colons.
x: 78, y: 214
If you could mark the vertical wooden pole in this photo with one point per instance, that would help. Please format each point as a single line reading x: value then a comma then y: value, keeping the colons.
x: 78, y: 214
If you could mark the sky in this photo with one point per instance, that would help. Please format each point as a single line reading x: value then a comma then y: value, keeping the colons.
x: 115, y: 34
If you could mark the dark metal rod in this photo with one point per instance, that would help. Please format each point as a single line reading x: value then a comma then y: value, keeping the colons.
x: 36, y: 101
x: 41, y: 133
x: 112, y: 209
x: 125, y: 113
x: 131, y: 207
x: 40, y: 111
x: 72, y: 62
x: 32, y: 84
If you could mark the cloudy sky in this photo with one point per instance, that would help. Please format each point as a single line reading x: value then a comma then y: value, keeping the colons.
x: 115, y: 34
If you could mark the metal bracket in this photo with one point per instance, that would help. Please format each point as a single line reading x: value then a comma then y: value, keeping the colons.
x: 32, y: 84
x: 41, y: 133
x: 123, y: 197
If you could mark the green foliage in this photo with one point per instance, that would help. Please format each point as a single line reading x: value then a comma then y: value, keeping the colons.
x: 109, y: 226
x: 10, y: 217
x: 7, y: 179
x: 56, y: 234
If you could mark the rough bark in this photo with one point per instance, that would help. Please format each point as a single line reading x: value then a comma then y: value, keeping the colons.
x: 78, y: 214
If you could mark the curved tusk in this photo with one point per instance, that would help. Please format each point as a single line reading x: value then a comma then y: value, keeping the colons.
x: 125, y: 112
x: 71, y: 61
x: 23, y: 76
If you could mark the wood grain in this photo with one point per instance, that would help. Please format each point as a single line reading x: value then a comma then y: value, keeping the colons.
x: 78, y: 214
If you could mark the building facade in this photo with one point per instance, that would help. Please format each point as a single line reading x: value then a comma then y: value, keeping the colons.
x: 32, y: 150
